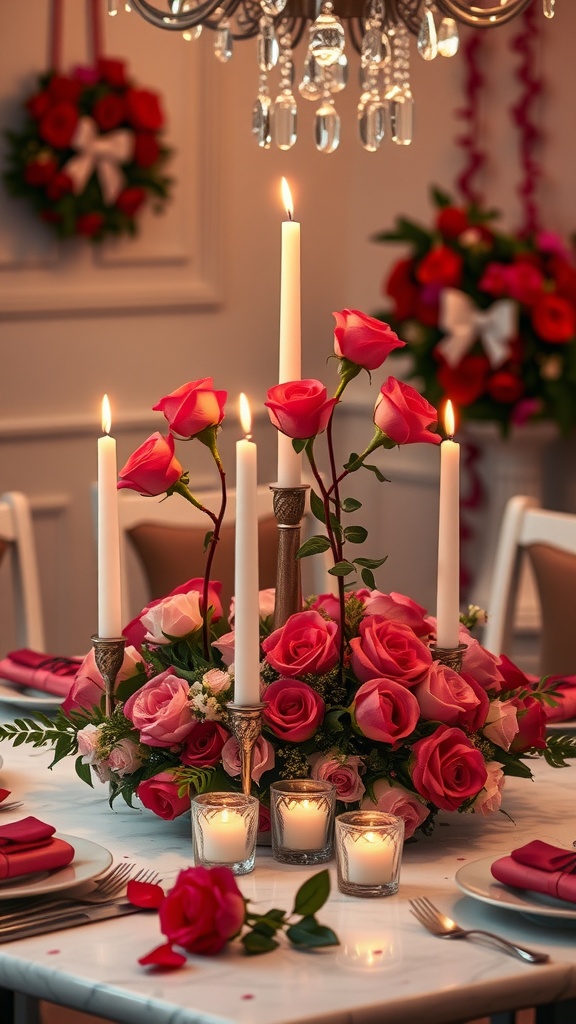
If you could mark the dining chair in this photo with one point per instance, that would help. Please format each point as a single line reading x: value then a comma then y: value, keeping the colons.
x: 548, y: 540
x: 17, y: 543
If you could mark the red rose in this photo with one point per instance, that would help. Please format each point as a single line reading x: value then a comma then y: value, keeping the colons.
x: 153, y: 468
x: 193, y: 407
x: 203, y: 911
x: 109, y: 111
x: 363, y: 340
x: 398, y: 607
x: 50, y: 217
x: 525, y: 282
x: 38, y: 104
x: 146, y: 149
x: 441, y: 266
x: 112, y: 71
x: 454, y: 699
x: 306, y: 644
x: 554, y: 319
x: 60, y: 185
x: 300, y: 408
x: 564, y: 275
x: 204, y: 744
x: 293, y: 710
x: 41, y: 170
x: 447, y: 769
x: 389, y: 648
x: 506, y: 387
x: 531, y: 725
x: 58, y: 125
x: 403, y: 414
x: 130, y: 200
x: 401, y: 287
x: 465, y: 382
x: 144, y: 110
x: 385, y: 711
x: 451, y: 222
x: 160, y: 795
x: 64, y: 89
x: 494, y: 280
x: 89, y: 224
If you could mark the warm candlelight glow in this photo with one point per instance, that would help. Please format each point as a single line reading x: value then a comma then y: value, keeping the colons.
x: 449, y: 422
x: 287, y: 199
x: 245, y: 415
x: 106, y: 415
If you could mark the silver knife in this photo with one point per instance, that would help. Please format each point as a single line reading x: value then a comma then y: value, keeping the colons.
x: 55, y: 922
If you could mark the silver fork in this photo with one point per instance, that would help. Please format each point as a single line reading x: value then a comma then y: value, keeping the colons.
x: 445, y: 928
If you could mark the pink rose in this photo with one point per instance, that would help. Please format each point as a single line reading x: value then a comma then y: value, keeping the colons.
x: 501, y: 724
x: 328, y: 604
x: 342, y: 772
x: 203, y: 911
x: 193, y: 407
x: 160, y: 710
x: 480, y: 663
x: 300, y: 408
x: 89, y: 743
x: 404, y: 415
x: 385, y: 710
x: 394, y: 799
x: 266, y: 604
x: 153, y: 468
x: 262, y: 758
x: 448, y: 769
x: 160, y: 795
x: 87, y: 689
x: 204, y: 743
x: 306, y: 644
x: 495, y: 279
x: 525, y: 282
x: 293, y: 710
x: 135, y: 631
x: 125, y: 757
x: 489, y: 798
x: 216, y: 680
x: 363, y: 340
x: 400, y: 608
x: 175, y: 616
x: 389, y: 648
x: 454, y: 699
x: 225, y: 644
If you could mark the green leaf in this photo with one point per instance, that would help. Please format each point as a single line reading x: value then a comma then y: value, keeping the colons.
x: 313, y: 546
x: 351, y: 505
x: 312, y: 894
x: 377, y: 473
x: 440, y: 198
x: 341, y: 569
x: 370, y: 563
x: 255, y: 943
x: 309, y: 934
x: 299, y: 444
x: 368, y: 578
x: 355, y: 534
x: 317, y: 507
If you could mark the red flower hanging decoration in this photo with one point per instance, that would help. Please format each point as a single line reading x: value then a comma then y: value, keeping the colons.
x: 90, y: 155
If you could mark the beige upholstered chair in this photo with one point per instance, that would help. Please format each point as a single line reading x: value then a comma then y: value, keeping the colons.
x: 17, y: 543
x: 548, y: 539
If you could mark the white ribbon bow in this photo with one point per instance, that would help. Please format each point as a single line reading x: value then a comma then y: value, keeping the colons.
x: 102, y: 153
x: 464, y: 323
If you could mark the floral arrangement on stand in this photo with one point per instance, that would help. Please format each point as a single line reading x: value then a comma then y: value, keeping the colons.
x: 90, y: 155
x: 351, y: 691
x: 489, y: 316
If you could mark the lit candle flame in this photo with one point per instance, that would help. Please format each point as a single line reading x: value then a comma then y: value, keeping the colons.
x: 449, y: 423
x: 245, y: 415
x: 287, y: 199
x: 106, y: 415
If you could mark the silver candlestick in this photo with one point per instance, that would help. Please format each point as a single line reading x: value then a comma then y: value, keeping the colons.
x: 450, y: 656
x: 109, y: 655
x: 246, y: 722
x: 289, y: 505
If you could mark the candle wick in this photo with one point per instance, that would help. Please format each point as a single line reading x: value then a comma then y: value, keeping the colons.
x: 289, y: 212
x: 248, y: 437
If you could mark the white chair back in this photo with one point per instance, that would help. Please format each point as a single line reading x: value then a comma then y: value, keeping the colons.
x: 17, y: 531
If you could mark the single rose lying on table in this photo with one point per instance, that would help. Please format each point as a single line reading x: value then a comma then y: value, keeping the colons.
x: 205, y: 909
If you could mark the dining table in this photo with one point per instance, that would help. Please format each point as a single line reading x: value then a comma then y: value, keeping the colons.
x: 387, y: 969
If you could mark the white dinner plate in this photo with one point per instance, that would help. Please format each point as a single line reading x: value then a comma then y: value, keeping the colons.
x: 23, y: 697
x: 476, y: 880
x: 89, y: 860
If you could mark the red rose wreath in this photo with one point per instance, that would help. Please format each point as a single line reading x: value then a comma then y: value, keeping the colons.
x: 90, y: 155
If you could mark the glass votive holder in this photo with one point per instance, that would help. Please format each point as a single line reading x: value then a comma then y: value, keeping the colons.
x: 224, y: 830
x: 369, y: 852
x: 302, y: 815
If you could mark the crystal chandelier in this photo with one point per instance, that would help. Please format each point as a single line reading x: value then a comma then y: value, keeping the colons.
x: 379, y: 30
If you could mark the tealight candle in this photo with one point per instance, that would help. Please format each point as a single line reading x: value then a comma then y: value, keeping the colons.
x: 302, y: 816
x: 371, y: 859
x: 369, y: 852
x: 304, y: 825
x: 224, y: 830
x: 225, y: 837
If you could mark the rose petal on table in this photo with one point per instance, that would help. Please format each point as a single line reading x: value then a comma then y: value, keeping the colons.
x: 145, y: 894
x: 163, y: 956
x: 3, y: 794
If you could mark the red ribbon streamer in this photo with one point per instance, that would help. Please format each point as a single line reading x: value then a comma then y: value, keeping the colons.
x: 56, y: 32
x: 523, y: 113
x: 470, y: 113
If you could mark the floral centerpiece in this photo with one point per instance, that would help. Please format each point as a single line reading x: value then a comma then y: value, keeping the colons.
x: 489, y: 316
x: 351, y: 691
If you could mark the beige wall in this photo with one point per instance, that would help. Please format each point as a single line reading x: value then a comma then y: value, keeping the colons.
x: 198, y: 294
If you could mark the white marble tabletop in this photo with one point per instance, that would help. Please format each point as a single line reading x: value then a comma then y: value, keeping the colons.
x: 386, y: 968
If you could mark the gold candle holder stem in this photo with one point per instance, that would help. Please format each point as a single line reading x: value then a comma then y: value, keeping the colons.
x: 289, y: 505
x: 450, y: 656
x: 246, y: 722
x: 109, y: 655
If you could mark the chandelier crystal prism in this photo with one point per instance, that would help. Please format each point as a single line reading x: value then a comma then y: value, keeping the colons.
x: 380, y: 31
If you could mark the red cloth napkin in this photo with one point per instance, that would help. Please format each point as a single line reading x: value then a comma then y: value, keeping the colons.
x: 40, y: 671
x: 539, y: 867
x: 28, y: 845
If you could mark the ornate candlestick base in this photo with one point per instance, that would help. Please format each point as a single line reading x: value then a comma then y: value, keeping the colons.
x: 246, y: 724
x: 109, y: 655
x: 450, y: 656
x: 288, y: 508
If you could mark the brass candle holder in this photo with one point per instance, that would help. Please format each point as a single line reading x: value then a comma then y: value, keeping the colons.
x: 289, y: 505
x: 450, y: 656
x: 109, y: 655
x: 246, y: 722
